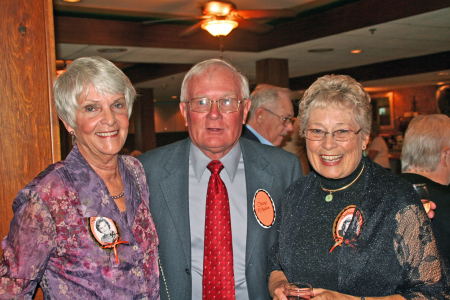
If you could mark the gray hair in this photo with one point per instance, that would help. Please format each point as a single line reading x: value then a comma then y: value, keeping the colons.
x: 266, y: 94
x: 101, y: 73
x: 204, y: 66
x: 425, y: 138
x: 341, y: 92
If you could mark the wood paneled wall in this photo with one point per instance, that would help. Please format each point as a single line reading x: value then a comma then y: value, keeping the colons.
x: 29, y: 133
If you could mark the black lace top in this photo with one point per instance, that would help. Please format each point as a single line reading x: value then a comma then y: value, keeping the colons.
x: 378, y: 232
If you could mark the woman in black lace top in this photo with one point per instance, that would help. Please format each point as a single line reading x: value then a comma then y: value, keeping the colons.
x: 351, y: 229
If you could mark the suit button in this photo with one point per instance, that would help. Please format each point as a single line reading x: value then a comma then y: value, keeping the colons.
x: 188, y: 272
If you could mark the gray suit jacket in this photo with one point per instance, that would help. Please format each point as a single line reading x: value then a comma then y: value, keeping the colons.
x: 167, y: 172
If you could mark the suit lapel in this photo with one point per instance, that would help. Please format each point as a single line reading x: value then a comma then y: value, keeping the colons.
x: 256, y: 178
x: 175, y: 188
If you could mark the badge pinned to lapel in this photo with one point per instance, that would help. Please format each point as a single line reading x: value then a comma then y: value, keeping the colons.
x: 264, y: 208
x: 105, y: 232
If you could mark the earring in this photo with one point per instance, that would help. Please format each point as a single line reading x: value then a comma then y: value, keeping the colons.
x: 72, y: 133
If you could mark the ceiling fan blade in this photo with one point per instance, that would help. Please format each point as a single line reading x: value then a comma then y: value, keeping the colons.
x: 167, y: 20
x: 266, y: 13
x: 254, y: 27
x: 196, y: 28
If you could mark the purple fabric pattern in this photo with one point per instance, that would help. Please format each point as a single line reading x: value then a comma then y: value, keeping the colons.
x: 49, y: 241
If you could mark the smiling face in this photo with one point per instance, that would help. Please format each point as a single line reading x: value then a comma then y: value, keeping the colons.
x: 101, y: 125
x: 215, y: 133
x: 103, y: 227
x: 330, y: 158
x: 272, y: 128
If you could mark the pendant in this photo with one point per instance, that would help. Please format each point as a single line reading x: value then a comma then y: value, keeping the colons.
x: 329, y: 197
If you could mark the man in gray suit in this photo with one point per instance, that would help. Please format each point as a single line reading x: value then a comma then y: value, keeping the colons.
x: 214, y: 104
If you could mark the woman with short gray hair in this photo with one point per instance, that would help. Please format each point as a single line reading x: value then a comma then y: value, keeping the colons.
x: 54, y: 239
x: 350, y: 228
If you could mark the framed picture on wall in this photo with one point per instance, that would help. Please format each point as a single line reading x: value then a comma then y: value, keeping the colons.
x: 383, y: 109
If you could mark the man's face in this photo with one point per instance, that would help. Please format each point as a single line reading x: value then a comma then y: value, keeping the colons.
x: 215, y: 133
x: 272, y: 128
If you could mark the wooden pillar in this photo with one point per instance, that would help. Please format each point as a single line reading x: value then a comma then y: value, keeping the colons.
x: 273, y: 71
x: 144, y: 121
x: 29, y: 131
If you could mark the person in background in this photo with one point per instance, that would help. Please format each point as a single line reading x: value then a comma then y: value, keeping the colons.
x: 270, y: 115
x: 378, y: 150
x: 52, y: 240
x: 426, y: 159
x: 388, y: 249
x: 214, y: 104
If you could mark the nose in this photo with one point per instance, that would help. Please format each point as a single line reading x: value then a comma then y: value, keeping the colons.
x: 214, y: 113
x: 329, y: 142
x: 108, y: 117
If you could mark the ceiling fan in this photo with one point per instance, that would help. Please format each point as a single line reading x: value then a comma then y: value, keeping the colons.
x: 222, y: 16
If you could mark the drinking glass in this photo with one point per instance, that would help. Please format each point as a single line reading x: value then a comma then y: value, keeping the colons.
x: 421, y: 189
x: 298, y: 290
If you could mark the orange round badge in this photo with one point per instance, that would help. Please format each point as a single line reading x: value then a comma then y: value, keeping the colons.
x: 264, y: 208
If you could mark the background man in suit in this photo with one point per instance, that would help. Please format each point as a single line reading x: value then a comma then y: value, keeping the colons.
x: 178, y: 180
x: 270, y: 115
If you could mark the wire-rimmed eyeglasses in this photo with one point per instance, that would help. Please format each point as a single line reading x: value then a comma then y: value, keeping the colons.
x: 341, y: 135
x: 286, y: 121
x: 203, y: 104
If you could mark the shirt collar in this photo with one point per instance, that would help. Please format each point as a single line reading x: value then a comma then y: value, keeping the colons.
x: 200, y: 161
x: 260, y: 137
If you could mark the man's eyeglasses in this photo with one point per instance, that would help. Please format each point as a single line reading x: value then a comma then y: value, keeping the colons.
x: 342, y: 135
x: 225, y: 105
x: 286, y: 121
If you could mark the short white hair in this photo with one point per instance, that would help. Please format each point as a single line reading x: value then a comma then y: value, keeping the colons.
x: 425, y: 138
x: 215, y: 63
x: 104, y: 76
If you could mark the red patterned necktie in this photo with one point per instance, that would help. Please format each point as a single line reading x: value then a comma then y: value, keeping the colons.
x: 218, y: 274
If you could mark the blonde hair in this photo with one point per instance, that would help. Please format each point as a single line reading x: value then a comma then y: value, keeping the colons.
x: 341, y: 92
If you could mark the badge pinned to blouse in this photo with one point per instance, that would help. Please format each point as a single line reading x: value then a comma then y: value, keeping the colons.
x: 342, y: 224
x: 264, y: 208
x: 105, y: 232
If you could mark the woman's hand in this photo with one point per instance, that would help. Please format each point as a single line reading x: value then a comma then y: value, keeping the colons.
x: 279, y: 294
x: 322, y: 294
x: 277, y: 281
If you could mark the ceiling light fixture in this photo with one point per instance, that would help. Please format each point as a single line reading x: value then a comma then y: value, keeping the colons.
x: 72, y: 1
x: 219, y: 27
x: 356, y: 51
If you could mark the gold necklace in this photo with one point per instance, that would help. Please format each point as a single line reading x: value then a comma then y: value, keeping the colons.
x: 329, y: 197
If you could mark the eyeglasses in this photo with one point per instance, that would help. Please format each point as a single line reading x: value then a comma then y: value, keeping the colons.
x: 225, y: 105
x: 286, y: 121
x: 342, y: 135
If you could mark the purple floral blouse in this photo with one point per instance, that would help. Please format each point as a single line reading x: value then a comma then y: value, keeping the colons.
x: 52, y: 241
